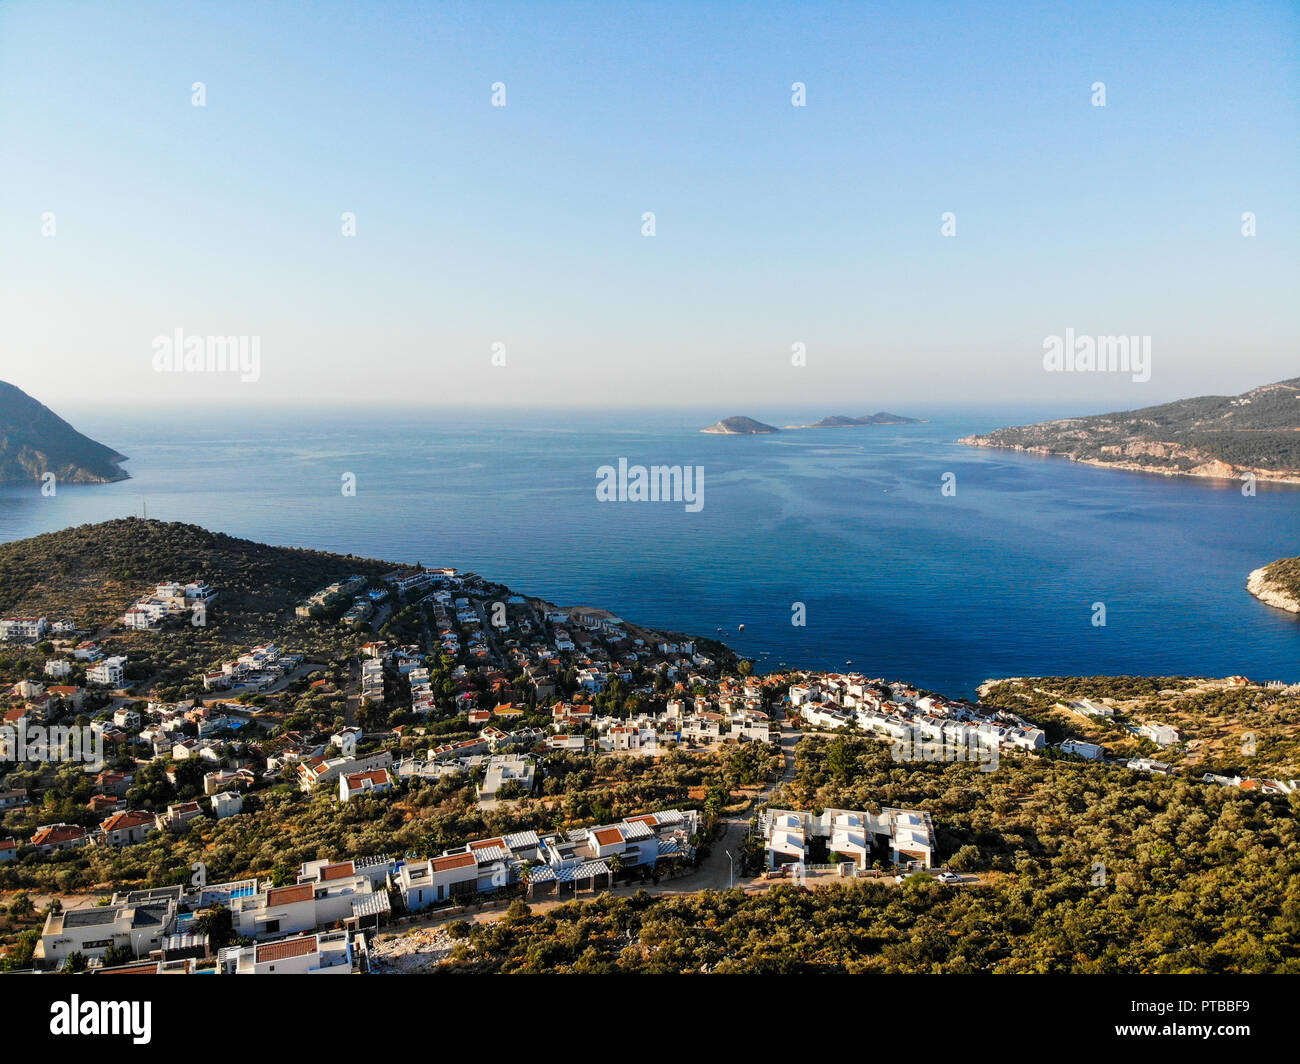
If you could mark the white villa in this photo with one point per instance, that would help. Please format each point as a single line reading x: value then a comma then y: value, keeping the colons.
x: 905, y: 835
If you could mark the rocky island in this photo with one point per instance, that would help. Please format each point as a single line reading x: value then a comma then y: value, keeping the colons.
x: 1211, y: 436
x: 35, y: 441
x: 841, y: 421
x: 1277, y: 584
x: 739, y: 426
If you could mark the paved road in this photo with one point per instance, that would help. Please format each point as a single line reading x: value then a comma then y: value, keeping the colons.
x: 714, y: 873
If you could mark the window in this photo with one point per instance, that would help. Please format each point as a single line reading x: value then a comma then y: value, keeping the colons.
x: 272, y: 926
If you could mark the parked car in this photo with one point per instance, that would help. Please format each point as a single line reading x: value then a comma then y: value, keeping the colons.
x: 948, y: 877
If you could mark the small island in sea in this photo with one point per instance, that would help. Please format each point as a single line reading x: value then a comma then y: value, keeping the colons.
x: 739, y: 426
x: 35, y: 441
x: 1277, y: 584
x: 842, y: 421
x: 1211, y: 436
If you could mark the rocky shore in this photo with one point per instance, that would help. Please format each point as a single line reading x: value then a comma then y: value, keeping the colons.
x: 1259, y: 585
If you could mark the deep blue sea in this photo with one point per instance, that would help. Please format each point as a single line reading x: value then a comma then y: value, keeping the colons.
x: 997, y: 580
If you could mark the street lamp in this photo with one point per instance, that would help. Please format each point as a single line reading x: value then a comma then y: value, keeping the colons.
x: 731, y: 879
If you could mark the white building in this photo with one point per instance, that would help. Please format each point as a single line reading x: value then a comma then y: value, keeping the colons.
x: 23, y: 627
x: 127, y: 718
x: 319, y: 770
x: 1090, y: 751
x: 906, y: 835
x: 327, y: 953
x: 356, y: 784
x: 108, y: 672
x: 1088, y: 708
x: 503, y: 769
x: 1160, y: 734
x: 92, y: 930
x: 227, y: 804
x: 1146, y: 764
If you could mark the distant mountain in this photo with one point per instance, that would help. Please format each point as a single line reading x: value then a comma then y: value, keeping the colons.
x: 880, y: 417
x: 34, y: 440
x: 739, y: 426
x: 1211, y: 436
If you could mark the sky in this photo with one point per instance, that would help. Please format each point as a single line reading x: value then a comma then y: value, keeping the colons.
x: 127, y: 212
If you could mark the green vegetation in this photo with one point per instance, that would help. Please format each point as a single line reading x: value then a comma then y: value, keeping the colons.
x: 92, y: 573
x: 1228, y: 730
x: 282, y: 827
x: 1284, y: 574
x: 1196, y: 879
x: 1254, y: 431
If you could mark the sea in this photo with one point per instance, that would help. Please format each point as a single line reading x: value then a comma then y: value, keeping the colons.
x: 835, y: 548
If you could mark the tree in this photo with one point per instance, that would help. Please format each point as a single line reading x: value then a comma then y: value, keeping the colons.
x: 116, y: 955
x: 839, y: 760
x: 219, y: 925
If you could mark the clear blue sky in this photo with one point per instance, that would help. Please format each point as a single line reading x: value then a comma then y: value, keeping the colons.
x: 521, y: 224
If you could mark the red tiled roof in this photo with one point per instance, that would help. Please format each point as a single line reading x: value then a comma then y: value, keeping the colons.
x: 129, y: 819
x: 338, y: 871
x: 290, y: 895
x: 455, y: 860
x: 608, y: 836
x: 375, y: 776
x: 58, y: 833
x: 282, y: 951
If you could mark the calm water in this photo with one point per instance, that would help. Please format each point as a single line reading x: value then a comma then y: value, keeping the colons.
x: 998, y: 580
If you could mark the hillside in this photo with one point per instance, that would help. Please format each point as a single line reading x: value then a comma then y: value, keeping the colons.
x: 34, y: 440
x: 1210, y: 436
x: 1214, y: 719
x: 739, y: 426
x: 91, y: 573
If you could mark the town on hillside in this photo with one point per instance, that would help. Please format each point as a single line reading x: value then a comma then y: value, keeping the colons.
x: 412, y: 747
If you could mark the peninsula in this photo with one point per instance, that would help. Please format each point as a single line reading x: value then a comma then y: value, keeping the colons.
x: 35, y: 441
x: 1277, y: 584
x: 1225, y: 437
